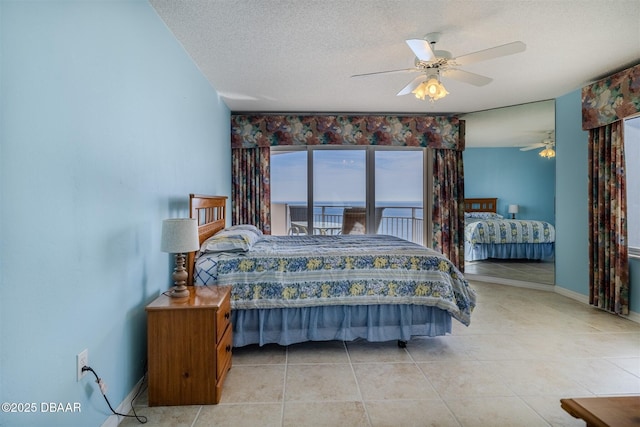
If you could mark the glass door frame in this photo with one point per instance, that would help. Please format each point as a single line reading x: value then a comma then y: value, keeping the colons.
x: 370, y: 200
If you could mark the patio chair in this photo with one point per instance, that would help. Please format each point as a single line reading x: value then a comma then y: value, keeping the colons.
x: 297, y: 214
x: 354, y: 220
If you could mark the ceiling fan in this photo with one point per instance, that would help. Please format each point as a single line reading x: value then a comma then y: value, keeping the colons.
x: 431, y: 64
x: 548, y: 144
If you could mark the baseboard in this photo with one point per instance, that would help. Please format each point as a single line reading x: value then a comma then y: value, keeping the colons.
x: 633, y: 316
x: 124, y: 407
x: 572, y: 294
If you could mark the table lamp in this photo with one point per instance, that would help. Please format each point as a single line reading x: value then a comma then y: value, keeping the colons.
x: 179, y: 235
x: 513, y: 210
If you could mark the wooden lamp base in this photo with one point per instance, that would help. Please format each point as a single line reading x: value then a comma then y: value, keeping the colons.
x: 180, y: 277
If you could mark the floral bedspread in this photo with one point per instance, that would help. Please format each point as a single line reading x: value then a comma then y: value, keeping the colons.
x: 508, y: 231
x: 304, y: 271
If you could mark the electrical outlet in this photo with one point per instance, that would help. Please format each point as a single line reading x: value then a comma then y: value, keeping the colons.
x: 82, y: 359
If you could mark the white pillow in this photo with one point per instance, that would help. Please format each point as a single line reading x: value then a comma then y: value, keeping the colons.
x: 247, y: 227
x: 483, y: 215
x: 230, y: 241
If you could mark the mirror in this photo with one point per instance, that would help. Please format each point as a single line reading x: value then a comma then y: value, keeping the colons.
x: 502, y: 160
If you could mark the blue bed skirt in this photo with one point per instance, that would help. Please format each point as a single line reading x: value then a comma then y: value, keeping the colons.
x: 286, y: 326
x: 535, y: 251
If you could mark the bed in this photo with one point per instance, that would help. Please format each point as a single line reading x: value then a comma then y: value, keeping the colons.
x: 489, y: 235
x: 291, y: 289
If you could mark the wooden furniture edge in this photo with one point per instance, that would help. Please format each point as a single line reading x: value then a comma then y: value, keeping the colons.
x: 624, y: 410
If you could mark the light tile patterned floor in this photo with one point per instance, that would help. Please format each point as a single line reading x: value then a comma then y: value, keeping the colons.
x: 520, y: 270
x: 524, y: 350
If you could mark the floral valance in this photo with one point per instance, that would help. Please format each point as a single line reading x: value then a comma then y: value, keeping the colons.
x: 249, y: 131
x: 611, y: 99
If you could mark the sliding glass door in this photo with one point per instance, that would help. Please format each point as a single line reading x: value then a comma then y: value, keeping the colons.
x: 355, y: 190
x: 399, y: 193
x: 339, y: 191
x: 288, y: 191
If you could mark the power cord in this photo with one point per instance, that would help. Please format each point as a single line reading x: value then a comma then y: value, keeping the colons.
x: 103, y: 389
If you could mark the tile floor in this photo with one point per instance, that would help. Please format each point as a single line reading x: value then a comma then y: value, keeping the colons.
x: 520, y: 270
x: 524, y: 350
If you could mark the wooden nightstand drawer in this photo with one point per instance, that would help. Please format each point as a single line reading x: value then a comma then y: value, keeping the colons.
x: 224, y: 350
x: 223, y: 316
x: 189, y: 345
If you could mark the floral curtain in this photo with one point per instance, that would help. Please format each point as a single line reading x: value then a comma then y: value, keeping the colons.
x: 399, y: 131
x: 611, y: 99
x: 605, y: 104
x: 251, y: 190
x: 252, y: 135
x: 609, y: 262
x: 448, y: 205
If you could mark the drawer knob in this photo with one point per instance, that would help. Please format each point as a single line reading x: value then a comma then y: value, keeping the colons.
x: 227, y: 315
x: 228, y: 348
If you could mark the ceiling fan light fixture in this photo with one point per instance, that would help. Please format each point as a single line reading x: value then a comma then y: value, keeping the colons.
x: 431, y: 88
x: 430, y: 62
x: 547, y: 153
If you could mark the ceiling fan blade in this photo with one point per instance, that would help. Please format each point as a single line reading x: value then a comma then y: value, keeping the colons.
x: 493, y: 52
x: 404, y: 70
x: 411, y: 86
x: 467, y: 77
x: 422, y: 49
x: 532, y: 147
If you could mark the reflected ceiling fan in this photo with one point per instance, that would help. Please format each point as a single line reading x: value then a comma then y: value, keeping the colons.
x: 547, y: 144
x: 431, y: 64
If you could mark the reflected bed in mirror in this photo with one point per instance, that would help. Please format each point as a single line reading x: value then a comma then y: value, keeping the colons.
x: 496, y: 167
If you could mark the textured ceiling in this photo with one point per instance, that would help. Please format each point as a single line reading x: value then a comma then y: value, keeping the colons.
x: 297, y: 56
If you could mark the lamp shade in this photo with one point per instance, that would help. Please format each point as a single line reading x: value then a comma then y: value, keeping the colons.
x: 179, y: 235
x: 513, y: 209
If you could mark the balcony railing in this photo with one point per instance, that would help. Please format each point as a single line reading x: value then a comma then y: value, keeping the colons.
x: 400, y: 221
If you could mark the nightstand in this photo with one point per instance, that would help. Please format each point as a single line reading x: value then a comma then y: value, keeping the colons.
x: 189, y: 344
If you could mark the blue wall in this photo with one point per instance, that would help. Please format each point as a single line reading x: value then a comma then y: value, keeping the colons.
x: 572, y: 215
x: 514, y: 177
x: 106, y: 125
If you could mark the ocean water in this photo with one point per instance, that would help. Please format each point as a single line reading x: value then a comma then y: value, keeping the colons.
x: 391, y: 209
x: 401, y: 219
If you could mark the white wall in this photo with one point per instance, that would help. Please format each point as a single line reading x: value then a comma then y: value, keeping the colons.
x: 106, y: 125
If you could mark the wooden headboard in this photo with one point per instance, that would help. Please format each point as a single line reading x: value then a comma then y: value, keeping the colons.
x: 210, y: 211
x: 481, y: 205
